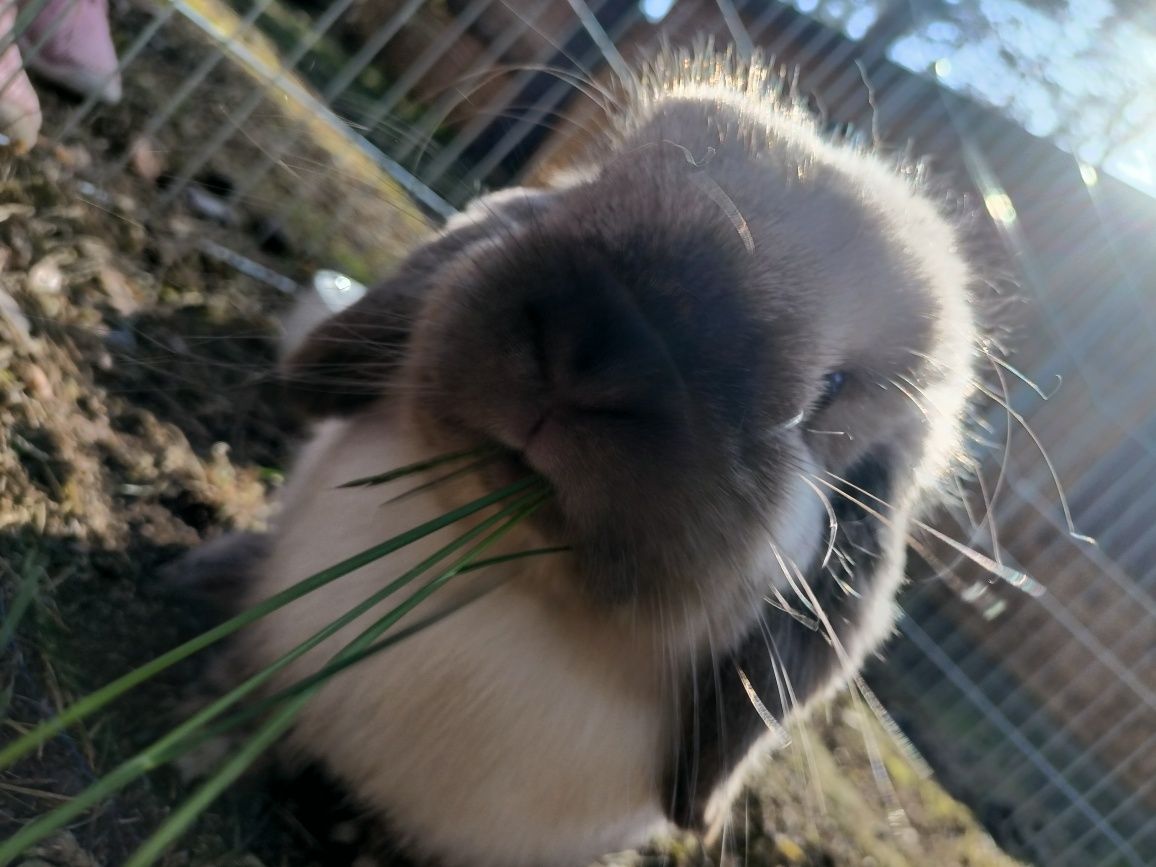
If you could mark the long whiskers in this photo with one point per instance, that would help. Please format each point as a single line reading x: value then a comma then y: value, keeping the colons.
x: 789, y: 702
x: 783, y: 605
x: 1020, y: 580
x: 832, y: 521
x: 1063, y: 498
x: 897, y: 817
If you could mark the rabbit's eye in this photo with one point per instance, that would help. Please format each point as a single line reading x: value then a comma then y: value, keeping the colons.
x: 833, y: 383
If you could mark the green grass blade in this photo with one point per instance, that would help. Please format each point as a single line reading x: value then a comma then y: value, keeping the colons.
x: 31, y: 575
x: 417, y: 467
x: 517, y: 555
x: 183, y: 737
x: 102, y: 697
x: 520, y: 512
x: 187, y: 813
x: 259, y: 708
x: 467, y: 564
x: 178, y: 822
x: 90, y: 797
x: 472, y: 466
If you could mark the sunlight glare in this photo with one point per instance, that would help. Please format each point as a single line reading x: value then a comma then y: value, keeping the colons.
x: 1000, y: 206
x: 656, y: 10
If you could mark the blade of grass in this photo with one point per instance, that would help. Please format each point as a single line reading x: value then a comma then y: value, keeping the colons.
x: 410, y: 469
x: 177, y: 741
x: 433, y: 483
x: 177, y: 823
x: 31, y: 575
x: 180, y: 819
x: 100, y: 698
x: 256, y: 710
x: 517, y: 555
x: 260, y: 708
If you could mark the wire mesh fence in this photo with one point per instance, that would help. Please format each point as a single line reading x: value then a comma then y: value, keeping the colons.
x: 362, y: 122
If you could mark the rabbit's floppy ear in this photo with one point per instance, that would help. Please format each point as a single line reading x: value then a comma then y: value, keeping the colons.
x: 348, y: 360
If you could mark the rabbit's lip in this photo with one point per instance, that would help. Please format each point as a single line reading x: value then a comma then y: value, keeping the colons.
x: 544, y: 443
x: 539, y: 439
x: 513, y: 467
x: 534, y: 448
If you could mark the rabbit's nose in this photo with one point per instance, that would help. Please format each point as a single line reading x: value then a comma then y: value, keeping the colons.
x: 598, y: 355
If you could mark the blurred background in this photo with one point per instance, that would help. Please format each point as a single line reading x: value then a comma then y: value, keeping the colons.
x: 257, y: 141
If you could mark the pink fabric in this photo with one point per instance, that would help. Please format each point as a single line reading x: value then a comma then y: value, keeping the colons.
x: 20, y: 116
x: 70, y: 44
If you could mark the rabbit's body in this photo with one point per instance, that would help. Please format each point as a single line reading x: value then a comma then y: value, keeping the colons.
x: 696, y: 342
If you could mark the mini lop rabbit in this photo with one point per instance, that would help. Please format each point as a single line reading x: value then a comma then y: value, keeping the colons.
x: 739, y: 354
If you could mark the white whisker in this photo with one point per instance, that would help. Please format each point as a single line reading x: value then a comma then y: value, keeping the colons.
x: 1020, y: 580
x: 1072, y: 532
x: 832, y: 520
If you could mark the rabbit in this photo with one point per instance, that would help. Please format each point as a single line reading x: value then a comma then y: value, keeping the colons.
x: 741, y: 355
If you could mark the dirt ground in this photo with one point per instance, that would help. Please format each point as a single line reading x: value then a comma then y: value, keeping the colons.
x: 139, y: 416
